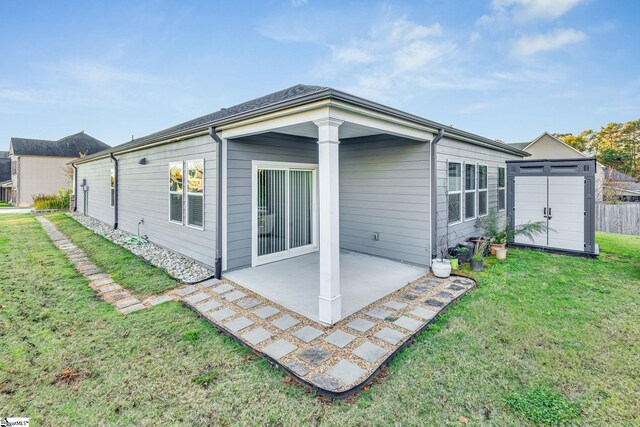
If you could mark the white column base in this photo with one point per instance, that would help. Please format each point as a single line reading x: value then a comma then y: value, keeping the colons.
x: 330, y: 310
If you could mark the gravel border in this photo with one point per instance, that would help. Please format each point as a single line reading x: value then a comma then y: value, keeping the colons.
x: 175, y: 265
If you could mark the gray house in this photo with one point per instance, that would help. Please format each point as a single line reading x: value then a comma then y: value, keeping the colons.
x: 308, y: 193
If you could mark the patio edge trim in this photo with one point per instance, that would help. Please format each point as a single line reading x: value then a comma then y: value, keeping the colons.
x: 349, y: 392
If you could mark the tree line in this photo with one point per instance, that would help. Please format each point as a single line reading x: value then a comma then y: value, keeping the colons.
x: 616, y: 145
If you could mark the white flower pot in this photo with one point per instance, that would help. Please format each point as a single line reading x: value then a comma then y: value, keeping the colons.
x: 441, y: 268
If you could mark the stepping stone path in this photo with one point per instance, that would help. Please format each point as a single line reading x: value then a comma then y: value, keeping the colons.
x: 335, y: 359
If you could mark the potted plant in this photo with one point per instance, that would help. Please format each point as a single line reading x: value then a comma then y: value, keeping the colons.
x: 441, y: 264
x: 501, y: 253
x: 479, y: 251
x: 463, y: 253
x: 454, y: 262
x: 501, y: 234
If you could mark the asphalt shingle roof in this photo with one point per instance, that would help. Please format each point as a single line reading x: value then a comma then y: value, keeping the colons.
x: 69, y: 146
x: 520, y: 145
x: 277, y: 99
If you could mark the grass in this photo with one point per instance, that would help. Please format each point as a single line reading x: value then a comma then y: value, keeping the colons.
x: 544, y: 339
x: 4, y: 204
x: 129, y: 270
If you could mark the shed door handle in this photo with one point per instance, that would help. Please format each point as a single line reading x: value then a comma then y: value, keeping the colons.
x: 549, y: 216
x: 545, y: 212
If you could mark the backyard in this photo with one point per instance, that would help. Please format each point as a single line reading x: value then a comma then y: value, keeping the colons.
x: 544, y: 339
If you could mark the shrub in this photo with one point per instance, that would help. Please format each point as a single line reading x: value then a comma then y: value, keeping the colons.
x: 52, y: 201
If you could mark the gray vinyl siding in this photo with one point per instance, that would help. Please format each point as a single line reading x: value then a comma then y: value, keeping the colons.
x: 240, y: 154
x: 385, y: 188
x: 143, y: 193
x: 462, y: 152
x: 97, y: 175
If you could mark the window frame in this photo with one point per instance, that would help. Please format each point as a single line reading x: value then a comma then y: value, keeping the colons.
x: 181, y: 192
x: 449, y: 192
x: 186, y: 195
x: 485, y: 190
x: 504, y: 187
x: 112, y: 188
x: 474, y: 191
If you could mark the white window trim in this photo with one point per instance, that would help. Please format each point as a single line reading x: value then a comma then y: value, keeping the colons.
x: 185, y: 199
x: 486, y: 190
x: 176, y: 192
x: 112, y: 196
x: 502, y: 188
x: 474, y: 190
x: 455, y: 192
x: 313, y: 247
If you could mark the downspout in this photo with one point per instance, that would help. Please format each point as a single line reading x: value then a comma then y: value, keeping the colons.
x: 219, y: 201
x: 115, y: 191
x: 75, y: 187
x: 434, y: 192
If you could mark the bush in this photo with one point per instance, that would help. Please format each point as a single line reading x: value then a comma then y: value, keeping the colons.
x: 52, y: 201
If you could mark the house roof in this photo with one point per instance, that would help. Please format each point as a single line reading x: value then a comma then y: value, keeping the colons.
x: 520, y: 145
x: 5, y: 169
x: 4, y: 154
x: 618, y: 176
x: 69, y: 146
x: 290, y: 97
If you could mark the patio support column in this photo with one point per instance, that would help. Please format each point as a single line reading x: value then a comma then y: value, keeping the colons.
x: 328, y: 188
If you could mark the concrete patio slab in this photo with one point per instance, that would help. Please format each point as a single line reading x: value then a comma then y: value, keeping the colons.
x: 340, y: 338
x: 346, y: 372
x: 279, y: 349
x: 307, y: 333
x: 285, y: 322
x: 257, y: 335
x: 364, y: 279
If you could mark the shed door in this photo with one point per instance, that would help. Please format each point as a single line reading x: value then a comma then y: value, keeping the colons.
x: 530, y: 205
x: 566, y: 217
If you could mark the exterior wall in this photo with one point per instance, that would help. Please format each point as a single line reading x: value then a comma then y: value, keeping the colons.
x: 143, y: 193
x: 456, y: 151
x: 240, y: 153
x: 385, y: 188
x: 548, y: 147
x: 97, y: 176
x: 39, y: 174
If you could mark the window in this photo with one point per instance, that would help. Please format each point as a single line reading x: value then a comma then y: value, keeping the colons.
x: 454, y: 193
x: 470, y: 187
x: 113, y: 187
x: 175, y: 192
x: 195, y: 193
x: 502, y: 192
x: 483, y: 200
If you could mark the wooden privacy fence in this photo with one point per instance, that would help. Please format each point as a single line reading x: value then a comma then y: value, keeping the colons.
x: 621, y: 218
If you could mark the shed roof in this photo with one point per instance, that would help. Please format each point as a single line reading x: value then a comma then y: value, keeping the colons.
x: 70, y: 146
x: 293, y: 96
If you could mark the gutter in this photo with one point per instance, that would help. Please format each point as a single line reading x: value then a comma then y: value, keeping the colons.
x: 219, y: 201
x: 115, y: 191
x: 434, y: 191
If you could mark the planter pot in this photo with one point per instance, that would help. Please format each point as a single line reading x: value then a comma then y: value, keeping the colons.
x: 501, y: 253
x: 454, y: 263
x: 441, y: 268
x: 495, y: 246
x: 476, y: 265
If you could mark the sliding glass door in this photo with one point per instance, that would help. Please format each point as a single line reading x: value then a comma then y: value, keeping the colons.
x: 284, y: 210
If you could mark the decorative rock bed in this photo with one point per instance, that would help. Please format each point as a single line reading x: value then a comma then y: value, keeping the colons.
x: 175, y: 265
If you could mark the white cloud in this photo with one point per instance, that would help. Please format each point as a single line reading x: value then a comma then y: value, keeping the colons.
x: 522, y: 11
x: 533, y: 44
x: 298, y: 3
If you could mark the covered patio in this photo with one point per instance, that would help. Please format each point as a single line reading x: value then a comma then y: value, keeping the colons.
x: 294, y: 282
x: 320, y: 253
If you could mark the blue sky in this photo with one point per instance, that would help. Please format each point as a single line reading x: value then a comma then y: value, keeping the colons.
x: 505, y: 69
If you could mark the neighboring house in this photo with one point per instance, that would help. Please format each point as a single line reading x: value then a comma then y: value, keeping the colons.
x: 621, y: 186
x: 38, y: 166
x: 5, y: 177
x: 547, y: 146
x: 304, y: 170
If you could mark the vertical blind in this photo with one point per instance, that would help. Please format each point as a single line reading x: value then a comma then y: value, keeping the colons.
x: 285, y: 209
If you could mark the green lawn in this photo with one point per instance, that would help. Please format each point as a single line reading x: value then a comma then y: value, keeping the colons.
x: 544, y: 338
x: 129, y: 270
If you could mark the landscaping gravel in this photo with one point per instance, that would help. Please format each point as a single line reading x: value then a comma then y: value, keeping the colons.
x: 175, y: 265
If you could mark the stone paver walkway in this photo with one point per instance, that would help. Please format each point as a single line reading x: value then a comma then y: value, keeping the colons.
x: 336, y: 360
